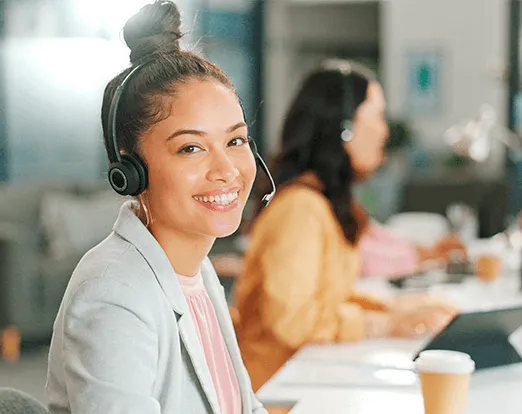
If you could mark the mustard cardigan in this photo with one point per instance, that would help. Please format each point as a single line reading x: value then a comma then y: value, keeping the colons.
x: 298, y: 282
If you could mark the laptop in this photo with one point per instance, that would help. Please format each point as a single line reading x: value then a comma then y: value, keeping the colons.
x: 484, y: 335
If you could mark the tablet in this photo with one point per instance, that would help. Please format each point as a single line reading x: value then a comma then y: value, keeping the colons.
x: 483, y: 335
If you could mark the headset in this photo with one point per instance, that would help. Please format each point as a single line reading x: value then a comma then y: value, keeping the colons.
x: 128, y: 173
x: 345, y: 68
x: 348, y: 101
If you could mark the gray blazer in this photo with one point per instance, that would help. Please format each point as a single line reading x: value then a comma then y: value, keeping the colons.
x: 124, y: 341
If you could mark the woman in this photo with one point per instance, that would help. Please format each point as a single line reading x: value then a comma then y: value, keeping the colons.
x: 144, y: 326
x: 303, y: 260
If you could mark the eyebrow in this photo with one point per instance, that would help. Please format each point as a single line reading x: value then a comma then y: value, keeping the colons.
x: 202, y: 133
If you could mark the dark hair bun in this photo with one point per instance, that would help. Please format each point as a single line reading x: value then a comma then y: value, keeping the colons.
x: 155, y: 28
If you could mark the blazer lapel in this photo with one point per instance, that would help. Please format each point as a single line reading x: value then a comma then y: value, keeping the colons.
x: 216, y: 294
x: 132, y: 229
x: 192, y: 344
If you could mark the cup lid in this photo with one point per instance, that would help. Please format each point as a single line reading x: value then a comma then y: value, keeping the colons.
x: 445, y: 362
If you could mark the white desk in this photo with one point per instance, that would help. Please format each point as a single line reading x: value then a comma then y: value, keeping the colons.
x: 471, y: 295
x: 297, y: 382
x: 374, y: 376
x: 359, y: 402
x: 491, y: 401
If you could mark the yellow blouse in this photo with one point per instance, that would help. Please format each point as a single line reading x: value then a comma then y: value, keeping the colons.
x: 298, y: 282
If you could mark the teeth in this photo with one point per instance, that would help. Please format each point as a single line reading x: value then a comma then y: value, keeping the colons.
x: 220, y: 199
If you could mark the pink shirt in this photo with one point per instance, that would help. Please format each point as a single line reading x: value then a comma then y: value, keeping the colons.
x: 384, y: 254
x: 211, y: 339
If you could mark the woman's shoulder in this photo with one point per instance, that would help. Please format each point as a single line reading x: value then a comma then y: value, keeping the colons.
x: 296, y: 208
x: 299, y: 198
x: 111, y: 257
x: 114, y: 264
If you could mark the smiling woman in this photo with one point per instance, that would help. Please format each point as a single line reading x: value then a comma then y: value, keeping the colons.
x: 144, y: 326
x: 190, y: 157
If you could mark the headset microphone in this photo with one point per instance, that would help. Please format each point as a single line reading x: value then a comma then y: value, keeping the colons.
x: 267, y: 197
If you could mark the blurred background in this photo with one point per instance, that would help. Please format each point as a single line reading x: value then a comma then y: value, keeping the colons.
x: 440, y: 62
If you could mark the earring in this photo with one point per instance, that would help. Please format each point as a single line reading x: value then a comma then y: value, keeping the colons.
x: 143, y: 206
x: 347, y: 131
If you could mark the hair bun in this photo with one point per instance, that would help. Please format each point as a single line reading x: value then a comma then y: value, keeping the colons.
x: 155, y: 28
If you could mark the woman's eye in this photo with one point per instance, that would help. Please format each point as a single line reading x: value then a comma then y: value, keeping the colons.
x: 190, y: 149
x: 236, y: 142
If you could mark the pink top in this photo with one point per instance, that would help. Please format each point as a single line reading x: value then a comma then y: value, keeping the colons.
x: 384, y: 254
x: 211, y: 339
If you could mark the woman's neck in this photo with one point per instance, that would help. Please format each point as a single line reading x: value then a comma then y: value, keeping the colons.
x: 185, y: 251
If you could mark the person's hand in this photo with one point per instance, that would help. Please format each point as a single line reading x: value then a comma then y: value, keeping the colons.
x: 441, y: 250
x: 411, y: 301
x: 422, y: 321
x: 447, y: 245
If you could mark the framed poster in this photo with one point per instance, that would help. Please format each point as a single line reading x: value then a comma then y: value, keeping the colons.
x: 424, y: 82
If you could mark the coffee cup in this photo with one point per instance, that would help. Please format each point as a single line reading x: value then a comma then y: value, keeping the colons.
x: 444, y: 377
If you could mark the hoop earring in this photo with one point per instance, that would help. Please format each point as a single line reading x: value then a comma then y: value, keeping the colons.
x: 143, y: 206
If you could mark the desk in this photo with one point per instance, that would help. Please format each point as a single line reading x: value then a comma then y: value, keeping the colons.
x: 492, y: 390
x: 495, y: 401
x: 375, y: 375
x: 359, y: 402
x: 470, y: 295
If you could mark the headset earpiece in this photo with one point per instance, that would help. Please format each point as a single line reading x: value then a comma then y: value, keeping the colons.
x: 347, y: 130
x: 348, y: 103
x: 128, y: 176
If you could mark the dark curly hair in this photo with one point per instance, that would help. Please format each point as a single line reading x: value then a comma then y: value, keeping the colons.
x: 311, y: 140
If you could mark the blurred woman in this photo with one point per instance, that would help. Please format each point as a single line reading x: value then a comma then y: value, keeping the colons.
x: 303, y: 259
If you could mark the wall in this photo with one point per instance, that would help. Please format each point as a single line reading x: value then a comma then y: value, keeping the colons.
x: 300, y: 34
x: 55, y: 62
x: 472, y: 36
x: 53, y: 93
x: 56, y: 59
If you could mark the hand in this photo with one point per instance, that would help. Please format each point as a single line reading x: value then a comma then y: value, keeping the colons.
x: 426, y: 320
x: 448, y: 244
x: 441, y: 250
x: 411, y: 301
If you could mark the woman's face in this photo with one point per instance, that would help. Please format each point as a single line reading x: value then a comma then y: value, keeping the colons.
x: 370, y: 132
x: 200, y: 166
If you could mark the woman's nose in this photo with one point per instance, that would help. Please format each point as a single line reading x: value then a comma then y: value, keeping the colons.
x: 222, y: 169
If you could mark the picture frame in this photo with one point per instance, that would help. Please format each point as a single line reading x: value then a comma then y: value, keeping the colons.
x: 424, y: 81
